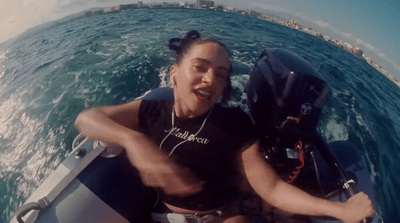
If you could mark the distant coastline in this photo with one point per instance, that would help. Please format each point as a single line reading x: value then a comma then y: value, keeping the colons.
x: 209, y: 5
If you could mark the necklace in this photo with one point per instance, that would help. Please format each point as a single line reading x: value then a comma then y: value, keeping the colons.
x: 191, y: 137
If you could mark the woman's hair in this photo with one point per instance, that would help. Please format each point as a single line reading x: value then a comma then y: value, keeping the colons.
x: 181, y: 46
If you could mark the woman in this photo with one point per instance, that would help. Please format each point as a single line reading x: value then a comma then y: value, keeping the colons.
x: 193, y: 149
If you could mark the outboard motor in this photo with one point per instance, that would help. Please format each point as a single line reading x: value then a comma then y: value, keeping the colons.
x: 285, y: 97
x: 285, y: 93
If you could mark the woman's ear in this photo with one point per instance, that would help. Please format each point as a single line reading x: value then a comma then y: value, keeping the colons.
x: 172, y: 75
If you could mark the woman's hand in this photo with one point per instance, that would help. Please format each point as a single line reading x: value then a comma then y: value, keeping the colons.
x: 117, y: 125
x: 357, y: 208
x: 157, y: 170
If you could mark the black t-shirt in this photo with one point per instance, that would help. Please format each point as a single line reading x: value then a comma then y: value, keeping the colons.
x: 212, y: 154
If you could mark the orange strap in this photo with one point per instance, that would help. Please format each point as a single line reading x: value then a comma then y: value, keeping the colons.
x: 296, y: 171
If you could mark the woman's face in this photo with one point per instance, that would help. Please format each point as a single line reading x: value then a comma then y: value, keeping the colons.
x: 199, y: 79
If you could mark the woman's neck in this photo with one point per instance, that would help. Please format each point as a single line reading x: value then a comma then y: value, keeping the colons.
x: 183, y: 111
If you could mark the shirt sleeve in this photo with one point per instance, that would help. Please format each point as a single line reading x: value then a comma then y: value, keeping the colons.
x: 146, y: 113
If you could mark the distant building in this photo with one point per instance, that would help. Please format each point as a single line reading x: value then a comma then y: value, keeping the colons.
x: 94, y: 12
x: 230, y: 9
x: 219, y: 8
x: 111, y: 9
x: 171, y: 4
x: 357, y: 51
x: 204, y: 4
x: 155, y: 5
x: 184, y: 4
x: 128, y: 7
x: 294, y: 23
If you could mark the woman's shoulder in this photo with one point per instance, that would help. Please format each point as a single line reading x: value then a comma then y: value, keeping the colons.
x: 153, y: 107
x: 155, y: 103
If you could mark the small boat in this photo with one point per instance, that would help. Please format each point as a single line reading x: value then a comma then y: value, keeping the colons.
x: 95, y: 183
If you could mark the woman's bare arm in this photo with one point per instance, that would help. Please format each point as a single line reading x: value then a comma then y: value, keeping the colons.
x: 282, y: 195
x: 118, y: 125
x: 110, y: 124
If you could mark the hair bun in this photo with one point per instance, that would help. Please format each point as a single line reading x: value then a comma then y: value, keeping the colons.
x: 175, y: 44
x: 192, y: 35
x: 178, y: 44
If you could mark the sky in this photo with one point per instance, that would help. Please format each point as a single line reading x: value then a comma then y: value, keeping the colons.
x: 372, y: 25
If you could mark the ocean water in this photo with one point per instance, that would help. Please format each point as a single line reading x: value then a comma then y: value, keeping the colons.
x: 52, y: 72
